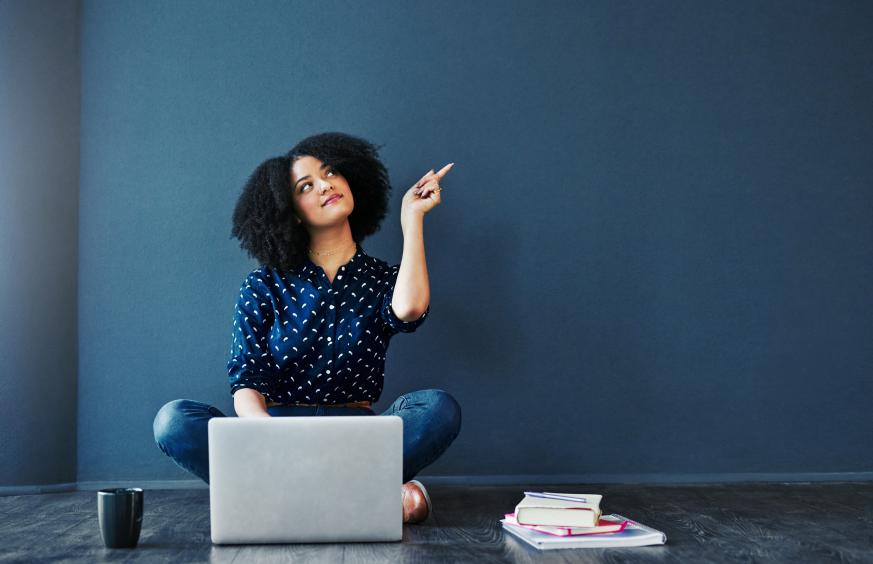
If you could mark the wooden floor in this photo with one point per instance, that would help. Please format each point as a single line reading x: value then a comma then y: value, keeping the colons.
x: 704, y: 523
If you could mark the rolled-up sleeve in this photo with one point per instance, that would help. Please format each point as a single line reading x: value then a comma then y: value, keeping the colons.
x: 249, y: 365
x: 393, y: 323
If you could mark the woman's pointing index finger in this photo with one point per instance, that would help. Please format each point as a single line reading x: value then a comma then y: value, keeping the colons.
x: 442, y: 172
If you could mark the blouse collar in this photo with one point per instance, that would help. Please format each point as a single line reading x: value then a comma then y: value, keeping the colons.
x: 354, y: 262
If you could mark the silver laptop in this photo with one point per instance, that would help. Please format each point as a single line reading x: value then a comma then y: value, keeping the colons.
x: 306, y: 479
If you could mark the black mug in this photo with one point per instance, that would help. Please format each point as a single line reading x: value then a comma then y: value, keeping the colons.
x: 119, y: 511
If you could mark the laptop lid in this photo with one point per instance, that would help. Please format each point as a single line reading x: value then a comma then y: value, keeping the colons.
x: 306, y: 479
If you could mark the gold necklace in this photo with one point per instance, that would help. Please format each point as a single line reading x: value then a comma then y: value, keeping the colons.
x: 320, y: 253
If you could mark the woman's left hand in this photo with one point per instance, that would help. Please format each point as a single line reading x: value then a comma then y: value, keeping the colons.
x: 424, y: 195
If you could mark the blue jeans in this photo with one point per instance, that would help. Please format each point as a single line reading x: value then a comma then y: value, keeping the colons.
x: 431, y: 421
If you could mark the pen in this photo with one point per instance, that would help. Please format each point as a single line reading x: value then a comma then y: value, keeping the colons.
x: 556, y: 496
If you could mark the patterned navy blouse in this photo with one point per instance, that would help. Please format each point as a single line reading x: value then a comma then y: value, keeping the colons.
x: 298, y: 338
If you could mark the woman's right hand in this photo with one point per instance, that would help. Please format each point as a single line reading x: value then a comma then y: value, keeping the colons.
x: 248, y: 402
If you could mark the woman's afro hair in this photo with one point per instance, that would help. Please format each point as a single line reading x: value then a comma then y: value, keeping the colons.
x: 263, y: 219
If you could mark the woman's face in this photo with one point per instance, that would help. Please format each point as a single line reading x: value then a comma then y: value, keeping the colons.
x: 321, y: 195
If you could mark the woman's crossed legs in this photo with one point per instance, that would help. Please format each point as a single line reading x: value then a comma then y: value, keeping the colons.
x: 431, y: 421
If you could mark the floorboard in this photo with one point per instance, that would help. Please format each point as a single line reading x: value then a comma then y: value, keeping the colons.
x: 782, y: 522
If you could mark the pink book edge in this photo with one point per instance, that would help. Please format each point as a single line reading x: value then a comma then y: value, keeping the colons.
x: 568, y: 529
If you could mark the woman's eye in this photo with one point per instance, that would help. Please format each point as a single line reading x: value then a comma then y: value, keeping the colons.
x: 329, y: 171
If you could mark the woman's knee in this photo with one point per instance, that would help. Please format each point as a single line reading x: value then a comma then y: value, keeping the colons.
x: 171, y: 417
x: 448, y: 407
x: 165, y: 420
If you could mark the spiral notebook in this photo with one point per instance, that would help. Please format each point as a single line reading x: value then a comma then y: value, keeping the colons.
x: 634, y: 534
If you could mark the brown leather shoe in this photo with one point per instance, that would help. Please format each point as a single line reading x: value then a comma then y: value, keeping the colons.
x: 416, y: 502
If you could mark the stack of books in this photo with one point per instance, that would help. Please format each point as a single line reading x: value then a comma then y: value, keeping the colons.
x: 549, y: 520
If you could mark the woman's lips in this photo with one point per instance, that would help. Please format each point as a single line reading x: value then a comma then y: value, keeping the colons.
x: 331, y: 200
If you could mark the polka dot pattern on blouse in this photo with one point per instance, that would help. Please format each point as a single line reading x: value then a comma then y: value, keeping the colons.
x: 298, y: 338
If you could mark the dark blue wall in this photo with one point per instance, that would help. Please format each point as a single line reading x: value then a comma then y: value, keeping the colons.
x: 654, y: 255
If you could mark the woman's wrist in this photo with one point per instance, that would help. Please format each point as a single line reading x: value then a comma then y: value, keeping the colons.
x: 412, y: 222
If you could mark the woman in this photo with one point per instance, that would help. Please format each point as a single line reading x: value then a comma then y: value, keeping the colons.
x: 313, y: 322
